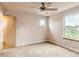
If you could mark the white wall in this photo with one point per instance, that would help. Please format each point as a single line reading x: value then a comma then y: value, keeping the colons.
x: 56, y: 26
x: 28, y: 29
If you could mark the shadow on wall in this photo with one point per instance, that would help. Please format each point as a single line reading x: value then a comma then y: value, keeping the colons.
x: 51, y: 37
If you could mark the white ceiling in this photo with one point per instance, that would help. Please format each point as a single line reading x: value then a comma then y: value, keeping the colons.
x: 26, y: 7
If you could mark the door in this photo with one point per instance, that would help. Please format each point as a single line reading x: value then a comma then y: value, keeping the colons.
x: 9, y: 32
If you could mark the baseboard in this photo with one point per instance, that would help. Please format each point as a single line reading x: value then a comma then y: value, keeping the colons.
x: 64, y: 47
x: 24, y: 44
x: 51, y: 43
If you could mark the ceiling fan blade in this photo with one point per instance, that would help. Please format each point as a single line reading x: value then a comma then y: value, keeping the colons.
x: 47, y: 4
x: 35, y: 7
x: 54, y: 9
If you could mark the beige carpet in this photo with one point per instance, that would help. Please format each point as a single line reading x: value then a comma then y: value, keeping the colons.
x: 38, y: 50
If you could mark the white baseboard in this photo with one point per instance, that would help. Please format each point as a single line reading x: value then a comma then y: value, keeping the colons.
x: 22, y: 44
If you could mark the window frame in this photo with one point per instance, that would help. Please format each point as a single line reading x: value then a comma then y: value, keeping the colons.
x: 64, y: 27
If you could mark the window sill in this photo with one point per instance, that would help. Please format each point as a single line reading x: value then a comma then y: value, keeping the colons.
x: 70, y: 39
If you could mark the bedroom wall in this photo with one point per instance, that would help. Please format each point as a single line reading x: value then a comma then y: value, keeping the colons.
x: 56, y: 26
x: 28, y: 29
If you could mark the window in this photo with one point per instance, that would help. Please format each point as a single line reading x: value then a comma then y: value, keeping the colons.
x: 42, y: 22
x: 71, y: 30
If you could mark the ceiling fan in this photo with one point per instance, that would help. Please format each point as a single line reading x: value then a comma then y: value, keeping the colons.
x: 44, y: 8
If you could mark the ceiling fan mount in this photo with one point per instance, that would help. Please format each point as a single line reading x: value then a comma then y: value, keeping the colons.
x: 43, y: 8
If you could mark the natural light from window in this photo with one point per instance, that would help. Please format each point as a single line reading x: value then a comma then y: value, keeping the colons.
x: 1, y: 29
x: 42, y: 22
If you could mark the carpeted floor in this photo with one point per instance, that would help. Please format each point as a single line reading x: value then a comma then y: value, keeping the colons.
x: 38, y: 50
